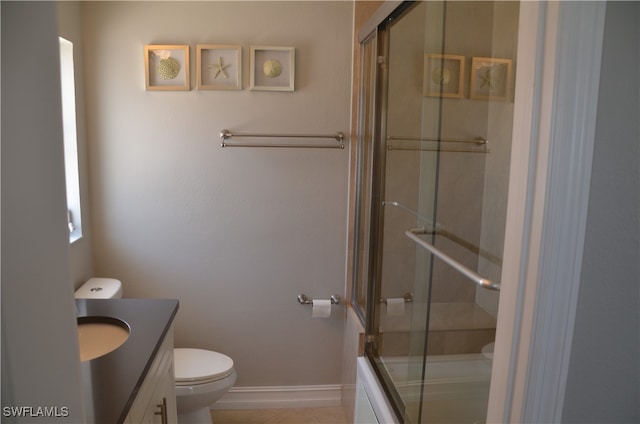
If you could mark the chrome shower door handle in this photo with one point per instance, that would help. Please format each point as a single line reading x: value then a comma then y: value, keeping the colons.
x: 471, y: 275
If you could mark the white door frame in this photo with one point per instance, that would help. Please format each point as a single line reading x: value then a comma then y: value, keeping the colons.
x: 559, y: 56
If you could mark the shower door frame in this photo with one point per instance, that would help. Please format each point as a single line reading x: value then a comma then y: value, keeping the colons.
x: 388, y: 12
x: 380, y: 36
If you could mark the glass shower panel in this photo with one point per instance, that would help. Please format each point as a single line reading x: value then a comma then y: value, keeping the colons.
x: 470, y: 212
x: 439, y: 179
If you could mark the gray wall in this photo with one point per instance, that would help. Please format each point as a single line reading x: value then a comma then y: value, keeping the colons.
x: 40, y: 360
x: 604, y: 374
x: 236, y: 233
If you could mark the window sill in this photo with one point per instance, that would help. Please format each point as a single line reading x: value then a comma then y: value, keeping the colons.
x: 73, y: 238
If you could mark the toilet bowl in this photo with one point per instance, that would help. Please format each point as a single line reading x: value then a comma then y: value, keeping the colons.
x: 202, y: 377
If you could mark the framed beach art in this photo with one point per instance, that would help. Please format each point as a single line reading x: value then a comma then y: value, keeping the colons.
x: 218, y: 67
x: 490, y: 79
x: 166, y: 67
x: 272, y: 68
x: 443, y: 75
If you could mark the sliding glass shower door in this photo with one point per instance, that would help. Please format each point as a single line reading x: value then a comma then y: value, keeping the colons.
x: 435, y: 126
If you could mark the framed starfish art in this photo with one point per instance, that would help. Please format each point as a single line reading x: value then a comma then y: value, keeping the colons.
x: 490, y: 79
x: 218, y: 67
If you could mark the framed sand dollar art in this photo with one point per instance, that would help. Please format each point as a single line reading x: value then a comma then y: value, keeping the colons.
x: 443, y: 75
x: 272, y: 68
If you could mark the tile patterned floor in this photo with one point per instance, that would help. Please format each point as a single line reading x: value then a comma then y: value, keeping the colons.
x: 328, y: 415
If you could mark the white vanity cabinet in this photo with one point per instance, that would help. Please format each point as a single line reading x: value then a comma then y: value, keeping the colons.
x: 156, y: 399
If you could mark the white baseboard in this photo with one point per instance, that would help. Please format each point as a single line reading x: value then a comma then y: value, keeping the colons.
x: 271, y: 397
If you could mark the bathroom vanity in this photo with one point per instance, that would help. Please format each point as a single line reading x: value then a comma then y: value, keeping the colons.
x: 134, y: 383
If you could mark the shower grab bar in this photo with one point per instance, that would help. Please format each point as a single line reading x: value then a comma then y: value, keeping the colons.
x: 477, y: 141
x: 473, y: 276
x: 226, y: 135
x: 304, y: 300
x: 438, y: 230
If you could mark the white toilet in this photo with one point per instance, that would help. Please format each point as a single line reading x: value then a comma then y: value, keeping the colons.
x: 202, y: 376
x: 100, y: 288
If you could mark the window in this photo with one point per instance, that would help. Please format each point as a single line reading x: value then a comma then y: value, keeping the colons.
x: 67, y: 83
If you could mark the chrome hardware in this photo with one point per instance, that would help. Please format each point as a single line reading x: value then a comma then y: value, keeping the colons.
x: 478, y: 144
x: 408, y: 298
x: 164, y: 417
x: 473, y: 276
x: 304, y: 300
x: 226, y: 135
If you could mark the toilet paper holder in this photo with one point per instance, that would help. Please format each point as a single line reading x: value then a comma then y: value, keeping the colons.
x: 408, y: 298
x: 304, y: 300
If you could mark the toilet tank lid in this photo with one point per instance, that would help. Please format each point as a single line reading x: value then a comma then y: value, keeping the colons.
x: 100, y: 288
x: 200, y: 364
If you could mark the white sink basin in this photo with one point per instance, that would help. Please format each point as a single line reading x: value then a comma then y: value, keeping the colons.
x: 98, y: 336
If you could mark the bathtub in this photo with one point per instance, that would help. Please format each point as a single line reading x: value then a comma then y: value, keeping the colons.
x: 372, y: 406
x: 456, y: 388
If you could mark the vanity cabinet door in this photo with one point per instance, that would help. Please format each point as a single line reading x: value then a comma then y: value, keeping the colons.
x: 165, y: 411
x: 156, y: 400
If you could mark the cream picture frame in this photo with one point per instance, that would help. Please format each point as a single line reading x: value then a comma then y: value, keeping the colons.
x: 490, y: 79
x: 166, y: 67
x: 272, y: 68
x: 218, y: 67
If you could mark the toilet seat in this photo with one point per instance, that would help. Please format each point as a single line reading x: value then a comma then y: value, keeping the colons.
x: 199, y: 366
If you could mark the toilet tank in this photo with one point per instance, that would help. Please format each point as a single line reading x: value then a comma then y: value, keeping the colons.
x: 100, y: 288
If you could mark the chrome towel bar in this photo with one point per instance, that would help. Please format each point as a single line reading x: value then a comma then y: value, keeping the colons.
x: 226, y: 135
x: 478, y: 144
x: 304, y: 300
x: 477, y: 140
x: 473, y: 276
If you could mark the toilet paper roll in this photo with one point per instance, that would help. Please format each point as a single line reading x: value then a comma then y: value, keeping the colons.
x: 395, y: 306
x: 321, y: 308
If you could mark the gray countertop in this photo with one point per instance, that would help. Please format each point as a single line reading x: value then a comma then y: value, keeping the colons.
x: 111, y: 382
